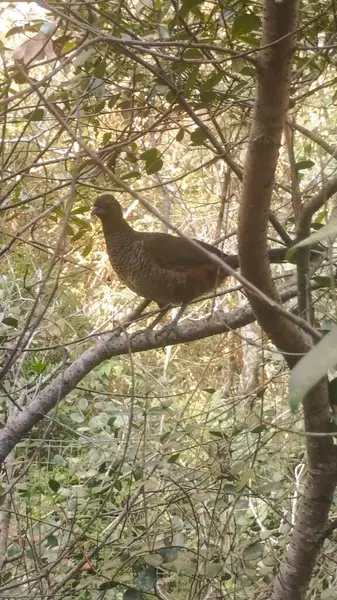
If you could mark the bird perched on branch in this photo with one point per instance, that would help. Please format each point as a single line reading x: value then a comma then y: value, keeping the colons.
x: 157, y: 266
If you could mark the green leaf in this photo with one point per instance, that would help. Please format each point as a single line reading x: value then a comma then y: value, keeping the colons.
x: 54, y: 485
x: 259, y: 429
x: 244, y: 24
x: 86, y: 250
x: 152, y: 161
x: 69, y: 45
x: 244, y: 479
x: 99, y: 107
x: 137, y: 474
x: 229, y: 488
x: 132, y: 595
x: 2, y: 494
x: 238, y: 65
x: 188, y: 5
x: 212, y: 569
x: 208, y: 97
x: 333, y: 391
x: 270, y: 561
x: 328, y: 231
x: 170, y: 96
x: 83, y: 403
x: 52, y: 541
x: 180, y: 135
x: 38, y: 367
x: 35, y: 115
x: 253, y: 552
x: 130, y: 175
x: 106, y: 137
x: 115, y: 466
x: 191, y: 80
x: 155, y: 166
x: 99, y: 70
x: 327, y: 326
x: 169, y: 554
x: 70, y: 230
x: 153, y: 559
x: 304, y: 164
x: 157, y: 410
x: 146, y: 579
x: 131, y: 157
x: 320, y: 217
x: 10, y: 321
x: 78, y: 235
x: 81, y: 223
x: 113, y: 100
x: 13, y: 550
x: 22, y: 29
x: 165, y: 437
x: 212, y: 81
x: 218, y: 434
x: 107, y: 585
x: 79, y: 211
x: 77, y: 417
x: 193, y: 53
x: 198, y: 136
x: 173, y: 457
x: 312, y: 367
x: 150, y: 155
x: 323, y: 281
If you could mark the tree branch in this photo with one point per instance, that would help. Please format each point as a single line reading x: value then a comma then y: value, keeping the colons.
x: 267, y: 125
x: 280, y: 22
x: 110, y: 345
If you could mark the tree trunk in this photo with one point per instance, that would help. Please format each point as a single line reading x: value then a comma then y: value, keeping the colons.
x: 274, y: 69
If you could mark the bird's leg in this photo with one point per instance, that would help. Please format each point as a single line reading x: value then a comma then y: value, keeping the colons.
x: 138, y: 311
x: 131, y: 318
x: 172, y: 326
x: 163, y: 310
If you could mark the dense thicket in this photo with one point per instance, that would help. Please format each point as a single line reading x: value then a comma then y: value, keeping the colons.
x: 138, y: 465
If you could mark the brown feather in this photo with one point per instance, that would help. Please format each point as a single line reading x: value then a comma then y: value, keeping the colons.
x: 159, y: 266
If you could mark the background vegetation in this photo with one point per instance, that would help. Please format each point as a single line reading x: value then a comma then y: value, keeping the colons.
x: 174, y: 470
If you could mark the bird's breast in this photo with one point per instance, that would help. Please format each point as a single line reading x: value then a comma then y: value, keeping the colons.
x: 141, y: 273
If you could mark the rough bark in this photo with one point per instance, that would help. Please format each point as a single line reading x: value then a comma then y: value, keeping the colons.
x: 274, y: 69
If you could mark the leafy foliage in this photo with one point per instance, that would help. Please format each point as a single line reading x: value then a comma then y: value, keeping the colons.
x: 162, y: 474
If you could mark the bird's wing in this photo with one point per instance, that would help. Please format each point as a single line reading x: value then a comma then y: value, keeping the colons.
x: 176, y: 253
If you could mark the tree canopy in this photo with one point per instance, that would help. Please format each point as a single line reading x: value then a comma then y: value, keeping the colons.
x: 197, y: 462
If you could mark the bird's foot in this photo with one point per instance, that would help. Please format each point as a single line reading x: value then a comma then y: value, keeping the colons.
x: 172, y: 327
x: 167, y: 329
x: 150, y: 335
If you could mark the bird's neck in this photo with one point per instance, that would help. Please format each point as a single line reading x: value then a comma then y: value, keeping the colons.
x: 116, y: 230
x: 118, y: 237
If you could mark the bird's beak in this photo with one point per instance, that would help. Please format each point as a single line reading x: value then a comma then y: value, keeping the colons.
x: 95, y: 211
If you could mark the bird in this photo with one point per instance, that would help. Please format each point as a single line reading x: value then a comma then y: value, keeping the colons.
x: 160, y: 267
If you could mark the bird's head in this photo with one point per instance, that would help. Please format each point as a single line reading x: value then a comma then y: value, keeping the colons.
x: 107, y: 208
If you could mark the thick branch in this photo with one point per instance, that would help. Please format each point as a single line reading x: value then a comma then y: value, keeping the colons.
x: 270, y: 110
x: 280, y: 21
x: 113, y: 345
x: 315, y: 203
x: 315, y: 137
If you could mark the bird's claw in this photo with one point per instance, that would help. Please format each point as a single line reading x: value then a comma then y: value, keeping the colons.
x: 167, y: 330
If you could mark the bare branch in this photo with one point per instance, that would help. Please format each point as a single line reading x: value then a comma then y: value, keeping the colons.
x: 116, y: 345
